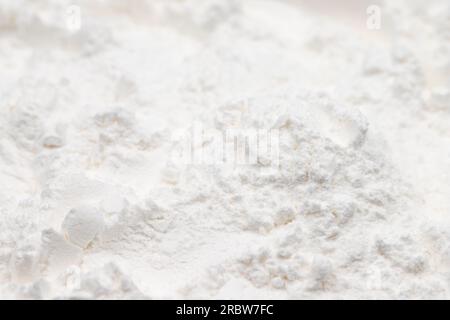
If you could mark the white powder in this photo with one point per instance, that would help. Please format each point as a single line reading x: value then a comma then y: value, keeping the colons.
x: 82, y: 225
x: 95, y: 203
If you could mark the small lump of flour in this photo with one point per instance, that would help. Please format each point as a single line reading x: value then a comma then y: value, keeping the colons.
x: 82, y: 225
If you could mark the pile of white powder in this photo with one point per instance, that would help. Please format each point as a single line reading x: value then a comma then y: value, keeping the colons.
x: 94, y: 204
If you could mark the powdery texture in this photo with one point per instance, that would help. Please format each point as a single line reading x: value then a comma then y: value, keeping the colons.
x: 95, y: 205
